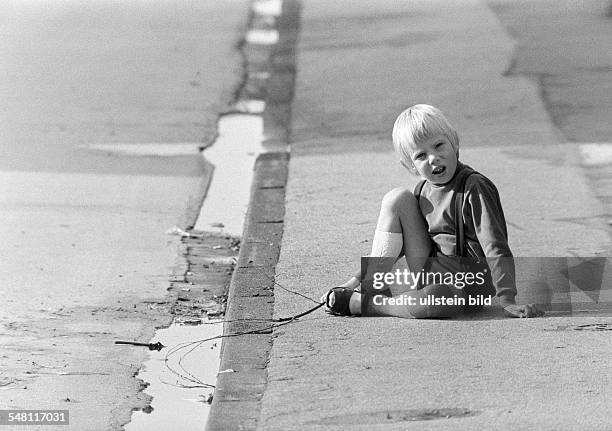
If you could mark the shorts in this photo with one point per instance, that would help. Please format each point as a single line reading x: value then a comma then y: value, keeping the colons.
x: 473, y: 275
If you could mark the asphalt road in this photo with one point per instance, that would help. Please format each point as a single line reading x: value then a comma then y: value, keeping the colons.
x: 563, y: 47
x: 85, y: 254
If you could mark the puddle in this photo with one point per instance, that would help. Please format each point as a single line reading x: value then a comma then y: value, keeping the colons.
x: 233, y: 156
x: 262, y: 37
x: 268, y: 7
x: 181, y: 397
x: 253, y: 106
x: 174, y: 405
x: 596, y: 154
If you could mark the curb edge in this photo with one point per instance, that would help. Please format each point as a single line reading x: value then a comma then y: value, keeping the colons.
x: 238, y: 394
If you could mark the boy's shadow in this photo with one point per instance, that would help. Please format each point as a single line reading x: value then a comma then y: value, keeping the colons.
x: 560, y: 286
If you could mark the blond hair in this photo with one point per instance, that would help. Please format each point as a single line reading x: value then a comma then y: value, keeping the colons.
x: 417, y: 124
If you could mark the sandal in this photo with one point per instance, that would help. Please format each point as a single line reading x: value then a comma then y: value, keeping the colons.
x: 342, y: 298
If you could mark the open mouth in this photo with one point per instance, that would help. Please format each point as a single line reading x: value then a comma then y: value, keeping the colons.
x: 439, y: 170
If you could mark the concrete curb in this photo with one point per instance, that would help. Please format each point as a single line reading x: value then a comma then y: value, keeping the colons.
x: 239, y: 390
x: 237, y: 397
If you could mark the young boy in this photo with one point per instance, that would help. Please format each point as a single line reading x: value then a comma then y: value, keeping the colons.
x: 421, y: 225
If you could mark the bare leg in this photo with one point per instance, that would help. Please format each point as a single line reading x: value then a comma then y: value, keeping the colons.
x: 400, y: 213
x: 401, y: 216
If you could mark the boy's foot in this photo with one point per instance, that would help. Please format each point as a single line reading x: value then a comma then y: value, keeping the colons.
x: 343, y: 301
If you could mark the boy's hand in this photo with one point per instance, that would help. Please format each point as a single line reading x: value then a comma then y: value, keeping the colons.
x: 527, y: 310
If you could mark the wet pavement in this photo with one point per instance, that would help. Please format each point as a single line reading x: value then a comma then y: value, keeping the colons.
x: 94, y: 98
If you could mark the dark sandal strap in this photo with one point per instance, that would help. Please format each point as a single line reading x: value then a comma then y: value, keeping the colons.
x: 342, y: 298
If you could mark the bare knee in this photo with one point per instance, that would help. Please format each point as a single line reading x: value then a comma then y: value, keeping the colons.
x: 399, y: 200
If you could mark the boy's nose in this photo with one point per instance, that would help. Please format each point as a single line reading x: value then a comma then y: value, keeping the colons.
x: 433, y: 159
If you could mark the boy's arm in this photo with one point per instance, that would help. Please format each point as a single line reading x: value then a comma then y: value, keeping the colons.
x: 490, y: 227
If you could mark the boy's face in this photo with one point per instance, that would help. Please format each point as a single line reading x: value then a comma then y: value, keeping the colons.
x: 435, y: 159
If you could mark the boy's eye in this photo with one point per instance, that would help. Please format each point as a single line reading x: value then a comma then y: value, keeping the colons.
x: 439, y: 144
x: 419, y: 156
